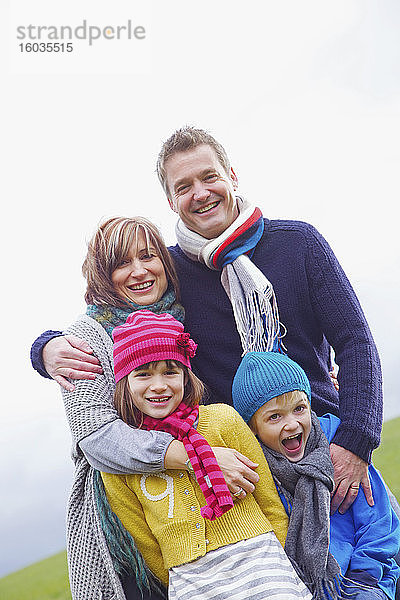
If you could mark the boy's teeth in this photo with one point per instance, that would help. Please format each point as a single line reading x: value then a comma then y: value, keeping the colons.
x: 292, y: 442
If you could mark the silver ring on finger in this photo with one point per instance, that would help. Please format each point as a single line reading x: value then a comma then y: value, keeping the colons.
x: 237, y: 494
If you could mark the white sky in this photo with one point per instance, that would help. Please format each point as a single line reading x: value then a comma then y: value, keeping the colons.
x: 305, y: 96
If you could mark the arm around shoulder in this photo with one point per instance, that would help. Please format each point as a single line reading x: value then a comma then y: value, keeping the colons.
x: 109, y: 444
x: 37, y: 351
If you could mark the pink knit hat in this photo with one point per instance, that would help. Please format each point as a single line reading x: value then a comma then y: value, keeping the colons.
x: 146, y: 337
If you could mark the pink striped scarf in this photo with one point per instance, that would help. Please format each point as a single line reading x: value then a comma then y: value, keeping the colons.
x: 202, y: 458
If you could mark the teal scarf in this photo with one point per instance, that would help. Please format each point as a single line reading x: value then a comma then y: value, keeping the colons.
x: 111, y: 316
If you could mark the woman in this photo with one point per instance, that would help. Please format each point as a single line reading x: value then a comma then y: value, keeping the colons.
x: 127, y: 268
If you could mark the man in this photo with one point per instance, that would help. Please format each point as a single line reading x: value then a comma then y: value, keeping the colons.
x: 316, y: 305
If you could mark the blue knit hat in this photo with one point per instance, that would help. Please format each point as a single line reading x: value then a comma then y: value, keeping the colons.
x: 262, y: 376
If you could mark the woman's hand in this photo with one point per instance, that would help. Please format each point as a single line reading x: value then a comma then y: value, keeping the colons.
x: 238, y: 471
x: 72, y: 357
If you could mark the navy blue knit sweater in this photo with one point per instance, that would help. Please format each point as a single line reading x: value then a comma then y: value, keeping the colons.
x: 318, y: 307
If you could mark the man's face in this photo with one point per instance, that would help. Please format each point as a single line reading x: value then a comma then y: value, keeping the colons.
x: 201, y: 192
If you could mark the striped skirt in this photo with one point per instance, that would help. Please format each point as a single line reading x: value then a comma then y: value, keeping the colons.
x: 257, y: 568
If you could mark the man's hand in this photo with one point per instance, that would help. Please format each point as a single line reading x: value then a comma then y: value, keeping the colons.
x: 237, y: 470
x: 69, y: 356
x: 350, y: 472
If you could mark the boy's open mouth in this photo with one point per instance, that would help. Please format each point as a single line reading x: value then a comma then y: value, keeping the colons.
x: 293, y: 442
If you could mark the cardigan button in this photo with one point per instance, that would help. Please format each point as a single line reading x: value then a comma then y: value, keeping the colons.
x: 198, y: 525
x: 207, y: 542
x: 186, y: 492
x: 193, y: 508
x: 180, y: 475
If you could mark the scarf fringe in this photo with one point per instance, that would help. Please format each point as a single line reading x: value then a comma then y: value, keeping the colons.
x: 322, y: 587
x: 257, y: 321
x: 254, y: 305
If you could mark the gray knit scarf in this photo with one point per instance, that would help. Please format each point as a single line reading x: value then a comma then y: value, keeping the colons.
x: 306, y: 486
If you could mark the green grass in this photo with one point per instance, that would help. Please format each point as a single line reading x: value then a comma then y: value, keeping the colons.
x: 48, y: 579
x: 44, y: 580
x: 387, y: 457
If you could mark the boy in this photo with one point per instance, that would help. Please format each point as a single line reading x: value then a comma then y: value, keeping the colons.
x: 272, y: 394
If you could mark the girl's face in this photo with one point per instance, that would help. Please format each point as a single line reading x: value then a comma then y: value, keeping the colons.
x: 157, y: 389
x: 141, y: 277
x: 284, y: 424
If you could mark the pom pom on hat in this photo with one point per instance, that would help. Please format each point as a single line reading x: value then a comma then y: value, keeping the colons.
x: 147, y: 337
x: 262, y: 376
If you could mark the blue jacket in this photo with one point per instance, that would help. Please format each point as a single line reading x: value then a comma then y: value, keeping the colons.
x: 365, y: 539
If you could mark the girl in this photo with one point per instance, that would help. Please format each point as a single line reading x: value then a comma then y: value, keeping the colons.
x: 185, y: 524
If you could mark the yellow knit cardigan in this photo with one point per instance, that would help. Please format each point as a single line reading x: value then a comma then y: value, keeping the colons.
x: 162, y: 511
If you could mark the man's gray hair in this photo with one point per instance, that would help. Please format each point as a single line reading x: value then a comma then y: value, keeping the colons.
x: 188, y: 138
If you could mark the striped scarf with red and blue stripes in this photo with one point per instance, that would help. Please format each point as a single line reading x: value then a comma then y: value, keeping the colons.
x: 250, y: 292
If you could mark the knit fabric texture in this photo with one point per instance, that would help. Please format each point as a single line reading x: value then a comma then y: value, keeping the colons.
x: 162, y: 510
x: 262, y: 376
x: 250, y: 292
x: 319, y: 309
x: 111, y: 316
x: 146, y: 337
x: 90, y: 406
x: 307, y: 484
x: 206, y: 469
x: 316, y: 304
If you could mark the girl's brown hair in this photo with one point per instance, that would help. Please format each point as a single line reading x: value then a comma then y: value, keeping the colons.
x: 109, y: 246
x: 194, y: 392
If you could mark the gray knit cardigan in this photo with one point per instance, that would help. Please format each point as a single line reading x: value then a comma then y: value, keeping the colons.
x: 89, y: 407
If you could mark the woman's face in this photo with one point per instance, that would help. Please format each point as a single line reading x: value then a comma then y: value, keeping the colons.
x: 141, y: 277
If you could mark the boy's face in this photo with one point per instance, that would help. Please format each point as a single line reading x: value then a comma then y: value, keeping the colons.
x: 284, y: 424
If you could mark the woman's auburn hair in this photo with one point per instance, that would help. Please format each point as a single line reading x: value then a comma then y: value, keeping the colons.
x: 109, y: 246
x: 125, y: 407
